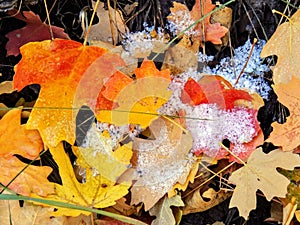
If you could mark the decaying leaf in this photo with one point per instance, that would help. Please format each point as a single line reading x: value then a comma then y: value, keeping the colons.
x: 203, y: 31
x: 110, y: 26
x: 285, y: 44
x: 11, y: 213
x: 163, y: 212
x: 162, y: 161
x: 15, y: 139
x: 287, y: 135
x: 196, y: 203
x: 260, y: 174
x: 35, y: 30
x: 95, y: 190
x: 65, y: 70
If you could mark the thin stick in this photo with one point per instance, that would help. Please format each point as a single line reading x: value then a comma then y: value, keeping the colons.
x: 245, y: 65
x: 91, y: 22
x: 49, y: 22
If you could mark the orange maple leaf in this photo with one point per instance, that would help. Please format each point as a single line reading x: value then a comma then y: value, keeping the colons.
x: 70, y: 75
x: 15, y: 139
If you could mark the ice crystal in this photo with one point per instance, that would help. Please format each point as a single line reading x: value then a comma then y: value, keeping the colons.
x: 253, y: 75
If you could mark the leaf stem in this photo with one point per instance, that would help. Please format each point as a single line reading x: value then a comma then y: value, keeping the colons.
x: 91, y: 22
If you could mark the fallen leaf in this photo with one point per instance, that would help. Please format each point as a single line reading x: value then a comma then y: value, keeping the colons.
x: 287, y: 135
x: 199, y: 203
x: 285, y: 44
x: 110, y: 27
x: 210, y: 32
x: 98, y: 153
x: 64, y: 69
x: 139, y: 100
x: 211, y: 89
x: 11, y: 213
x: 16, y: 140
x: 35, y: 30
x: 95, y: 190
x: 162, y: 161
x: 260, y: 174
x: 163, y: 212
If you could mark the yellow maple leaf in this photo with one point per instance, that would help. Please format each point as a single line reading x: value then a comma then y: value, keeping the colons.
x: 260, y: 174
x: 285, y: 44
x: 139, y: 101
x: 287, y: 135
x: 96, y: 191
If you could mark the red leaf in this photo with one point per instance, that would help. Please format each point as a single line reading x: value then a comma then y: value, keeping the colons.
x: 35, y: 30
x: 212, y: 89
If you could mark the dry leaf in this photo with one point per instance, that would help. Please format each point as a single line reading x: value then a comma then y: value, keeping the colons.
x: 163, y: 212
x: 35, y: 30
x: 285, y: 44
x: 11, y: 213
x: 195, y: 202
x: 287, y: 135
x: 65, y: 70
x: 162, y: 161
x: 260, y: 174
x: 109, y: 28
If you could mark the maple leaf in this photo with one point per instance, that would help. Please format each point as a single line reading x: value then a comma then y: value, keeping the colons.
x: 287, y: 135
x: 95, y: 191
x: 137, y: 101
x: 260, y: 174
x: 211, y: 89
x: 162, y: 161
x: 212, y: 32
x: 285, y: 44
x: 35, y: 30
x: 163, y: 212
x: 65, y: 70
x: 15, y: 139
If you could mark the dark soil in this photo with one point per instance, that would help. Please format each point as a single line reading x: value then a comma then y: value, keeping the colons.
x: 251, y: 19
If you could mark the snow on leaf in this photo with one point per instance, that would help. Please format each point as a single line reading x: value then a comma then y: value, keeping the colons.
x: 260, y: 174
x: 65, y: 70
x: 182, y: 18
x: 95, y: 191
x: 285, y: 44
x: 211, y: 89
x: 139, y: 100
x: 287, y: 135
x: 35, y: 30
x: 98, y: 153
x: 162, y: 161
x: 15, y: 139
x: 163, y: 212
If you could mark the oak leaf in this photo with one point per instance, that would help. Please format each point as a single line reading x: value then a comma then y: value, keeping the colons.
x: 35, y: 30
x: 163, y: 212
x: 285, y: 44
x: 162, y: 161
x: 260, y: 174
x: 287, y: 135
x: 65, y: 70
x: 95, y: 190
